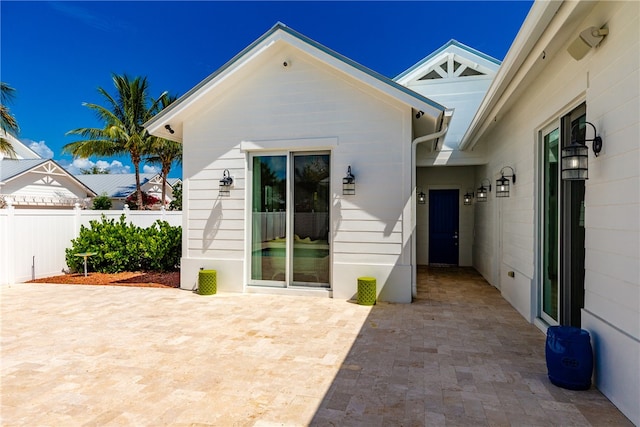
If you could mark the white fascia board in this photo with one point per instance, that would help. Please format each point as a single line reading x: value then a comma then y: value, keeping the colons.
x: 517, y: 63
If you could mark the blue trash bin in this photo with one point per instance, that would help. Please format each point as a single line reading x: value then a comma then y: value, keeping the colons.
x: 569, y: 357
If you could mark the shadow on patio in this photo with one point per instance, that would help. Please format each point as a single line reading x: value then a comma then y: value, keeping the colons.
x: 459, y: 355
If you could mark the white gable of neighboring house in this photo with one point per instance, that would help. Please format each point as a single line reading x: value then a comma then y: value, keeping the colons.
x: 153, y: 187
x: 38, y: 183
x: 21, y: 150
x: 457, y: 76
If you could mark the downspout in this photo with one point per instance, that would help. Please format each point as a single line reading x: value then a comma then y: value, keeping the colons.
x: 414, y: 144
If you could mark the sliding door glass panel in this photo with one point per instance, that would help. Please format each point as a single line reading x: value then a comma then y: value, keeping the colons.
x: 310, y: 263
x: 550, y: 227
x: 269, y: 219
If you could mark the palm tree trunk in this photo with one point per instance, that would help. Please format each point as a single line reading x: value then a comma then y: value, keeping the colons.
x: 136, y: 167
x: 165, y: 172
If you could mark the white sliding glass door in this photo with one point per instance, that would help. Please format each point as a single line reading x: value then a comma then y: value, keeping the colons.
x: 290, y: 220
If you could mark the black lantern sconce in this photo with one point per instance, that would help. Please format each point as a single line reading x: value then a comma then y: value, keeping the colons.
x: 422, y: 197
x: 575, y: 156
x: 502, y: 183
x: 349, y: 183
x: 482, y: 192
x: 225, y: 183
x: 468, y: 197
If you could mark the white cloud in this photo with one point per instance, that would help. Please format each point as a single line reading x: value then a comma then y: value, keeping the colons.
x: 114, y: 167
x: 150, y: 169
x: 40, y: 148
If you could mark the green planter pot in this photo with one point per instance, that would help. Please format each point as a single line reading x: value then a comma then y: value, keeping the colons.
x: 207, y: 282
x: 366, y: 290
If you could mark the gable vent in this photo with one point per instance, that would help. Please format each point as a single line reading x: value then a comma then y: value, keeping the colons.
x: 451, y: 68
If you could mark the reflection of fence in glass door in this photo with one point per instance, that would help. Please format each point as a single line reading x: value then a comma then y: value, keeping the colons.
x: 272, y: 225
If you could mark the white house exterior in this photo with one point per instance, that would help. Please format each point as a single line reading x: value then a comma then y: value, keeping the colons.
x: 286, y: 119
x: 553, y: 241
x: 561, y: 252
x: 29, y: 181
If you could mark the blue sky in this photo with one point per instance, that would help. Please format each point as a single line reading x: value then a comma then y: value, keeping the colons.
x: 56, y: 54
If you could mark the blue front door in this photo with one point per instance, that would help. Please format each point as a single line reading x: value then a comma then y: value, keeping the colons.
x: 443, y: 227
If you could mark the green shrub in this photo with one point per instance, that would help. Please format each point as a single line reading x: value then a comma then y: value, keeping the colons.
x: 102, y: 202
x: 121, y: 246
x: 176, y: 203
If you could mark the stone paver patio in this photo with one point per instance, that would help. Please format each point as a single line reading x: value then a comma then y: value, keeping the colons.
x: 459, y: 355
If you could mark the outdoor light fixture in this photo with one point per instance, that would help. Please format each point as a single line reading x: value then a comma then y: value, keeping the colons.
x: 419, y: 114
x: 225, y: 183
x: 168, y: 127
x: 422, y: 198
x: 349, y: 183
x: 502, y: 183
x: 482, y: 192
x: 591, y: 37
x: 575, y: 156
x: 468, y: 197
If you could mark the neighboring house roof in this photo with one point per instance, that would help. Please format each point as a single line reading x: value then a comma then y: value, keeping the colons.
x: 116, y: 186
x: 21, y: 150
x: 46, y: 183
x: 173, y: 181
x: 11, y: 168
x: 174, y: 114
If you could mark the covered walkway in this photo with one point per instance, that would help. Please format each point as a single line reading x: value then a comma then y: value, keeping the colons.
x: 460, y: 355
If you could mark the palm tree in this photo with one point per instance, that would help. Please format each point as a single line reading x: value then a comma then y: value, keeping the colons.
x: 8, y: 122
x: 123, y: 118
x: 163, y: 151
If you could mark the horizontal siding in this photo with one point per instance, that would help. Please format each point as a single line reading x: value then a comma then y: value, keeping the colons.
x: 306, y: 101
x: 608, y: 78
x: 366, y: 237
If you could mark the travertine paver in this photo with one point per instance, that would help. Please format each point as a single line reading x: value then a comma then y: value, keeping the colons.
x: 459, y: 355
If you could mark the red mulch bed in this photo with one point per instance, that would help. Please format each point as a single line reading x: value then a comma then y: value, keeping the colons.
x: 139, y: 279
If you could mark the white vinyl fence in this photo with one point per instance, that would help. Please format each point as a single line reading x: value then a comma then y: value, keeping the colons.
x: 33, y: 241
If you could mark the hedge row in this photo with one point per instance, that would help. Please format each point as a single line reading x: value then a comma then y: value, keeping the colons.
x: 120, y: 246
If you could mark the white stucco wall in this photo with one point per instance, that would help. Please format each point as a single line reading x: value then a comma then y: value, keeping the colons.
x: 304, y: 106
x: 608, y: 80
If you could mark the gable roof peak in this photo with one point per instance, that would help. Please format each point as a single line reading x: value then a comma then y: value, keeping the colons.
x: 373, y: 79
x: 437, y: 54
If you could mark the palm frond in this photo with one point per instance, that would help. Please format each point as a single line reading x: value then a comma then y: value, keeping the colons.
x: 6, y: 148
x: 91, y: 147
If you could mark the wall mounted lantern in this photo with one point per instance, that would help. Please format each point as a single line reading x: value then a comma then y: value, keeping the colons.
x: 422, y: 198
x: 225, y: 183
x: 349, y: 183
x: 482, y: 192
x: 502, y: 183
x: 575, y: 156
x: 468, y: 197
